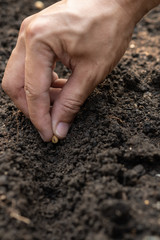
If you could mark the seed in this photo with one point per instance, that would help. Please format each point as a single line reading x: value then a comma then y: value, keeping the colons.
x: 39, y: 5
x: 54, y: 139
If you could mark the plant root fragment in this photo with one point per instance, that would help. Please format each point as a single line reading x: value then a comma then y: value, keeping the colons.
x: 20, y: 218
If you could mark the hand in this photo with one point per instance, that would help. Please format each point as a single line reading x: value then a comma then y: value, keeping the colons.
x: 88, y: 36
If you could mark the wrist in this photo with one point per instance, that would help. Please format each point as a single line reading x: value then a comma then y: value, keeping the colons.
x: 136, y: 9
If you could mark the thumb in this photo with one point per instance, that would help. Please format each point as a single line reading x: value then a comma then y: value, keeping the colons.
x: 80, y: 84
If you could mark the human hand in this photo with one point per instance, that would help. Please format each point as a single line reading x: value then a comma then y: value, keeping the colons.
x: 88, y: 36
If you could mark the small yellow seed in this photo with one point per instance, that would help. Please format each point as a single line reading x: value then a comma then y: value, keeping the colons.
x: 39, y: 5
x: 54, y: 139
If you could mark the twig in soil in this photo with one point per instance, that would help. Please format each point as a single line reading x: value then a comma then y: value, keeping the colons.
x: 152, y: 21
x: 118, y: 119
x: 19, y: 217
x: 12, y: 212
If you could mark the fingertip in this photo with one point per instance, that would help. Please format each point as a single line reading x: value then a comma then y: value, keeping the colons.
x: 45, y: 138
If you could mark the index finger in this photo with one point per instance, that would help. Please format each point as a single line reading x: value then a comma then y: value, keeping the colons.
x: 38, y: 78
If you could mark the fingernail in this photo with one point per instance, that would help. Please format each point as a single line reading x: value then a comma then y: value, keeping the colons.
x: 62, y: 129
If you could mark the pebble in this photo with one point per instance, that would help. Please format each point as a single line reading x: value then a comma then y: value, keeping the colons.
x: 2, y: 197
x: 157, y: 205
x: 39, y: 5
x: 146, y: 202
x: 132, y: 45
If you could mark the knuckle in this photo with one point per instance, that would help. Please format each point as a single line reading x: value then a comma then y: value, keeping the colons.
x: 10, y: 85
x: 7, y: 85
x: 71, y: 105
x: 36, y: 29
x: 31, y: 31
x: 9, y: 89
x: 30, y: 92
x: 24, y: 24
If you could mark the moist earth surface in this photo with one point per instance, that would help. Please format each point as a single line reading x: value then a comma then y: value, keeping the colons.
x: 103, y: 181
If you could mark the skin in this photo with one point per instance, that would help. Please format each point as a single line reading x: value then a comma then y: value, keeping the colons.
x: 87, y: 36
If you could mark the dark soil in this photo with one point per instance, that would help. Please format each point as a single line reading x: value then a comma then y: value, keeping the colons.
x: 103, y: 181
